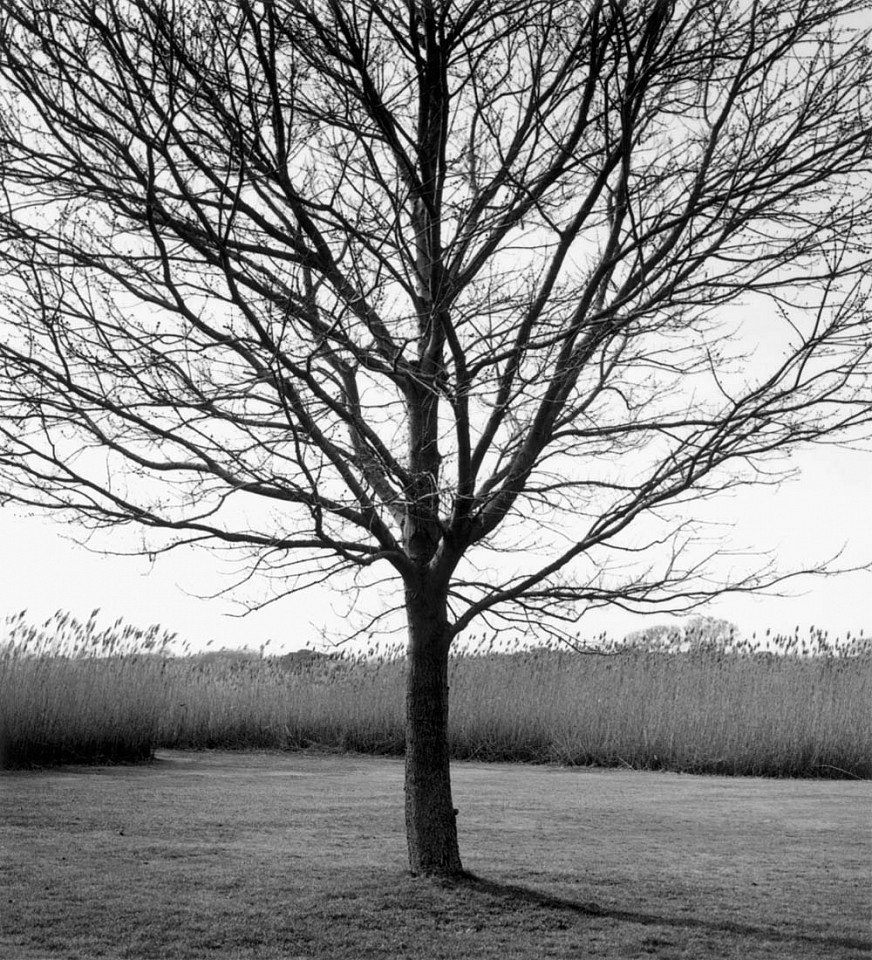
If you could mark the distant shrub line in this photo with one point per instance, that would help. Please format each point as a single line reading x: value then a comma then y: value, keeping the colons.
x: 727, y: 708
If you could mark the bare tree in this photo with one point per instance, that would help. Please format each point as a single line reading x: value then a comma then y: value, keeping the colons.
x: 481, y: 295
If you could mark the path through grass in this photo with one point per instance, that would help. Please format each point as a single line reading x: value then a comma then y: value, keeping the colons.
x: 302, y: 855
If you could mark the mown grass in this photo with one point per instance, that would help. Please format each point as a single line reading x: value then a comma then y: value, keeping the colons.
x: 301, y: 856
x: 72, y: 692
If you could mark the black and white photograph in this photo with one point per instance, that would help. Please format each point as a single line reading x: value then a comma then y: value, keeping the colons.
x: 435, y: 479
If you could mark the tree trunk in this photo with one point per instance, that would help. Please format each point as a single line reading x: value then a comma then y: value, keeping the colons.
x: 431, y: 826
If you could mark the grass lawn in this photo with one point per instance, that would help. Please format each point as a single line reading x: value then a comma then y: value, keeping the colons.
x: 302, y: 855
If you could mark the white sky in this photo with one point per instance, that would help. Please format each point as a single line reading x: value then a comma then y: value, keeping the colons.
x: 808, y: 520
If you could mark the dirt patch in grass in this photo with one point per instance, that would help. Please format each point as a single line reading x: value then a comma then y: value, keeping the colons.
x: 301, y: 855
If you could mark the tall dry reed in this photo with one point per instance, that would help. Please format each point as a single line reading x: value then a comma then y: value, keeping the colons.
x: 792, y: 706
x: 71, y: 691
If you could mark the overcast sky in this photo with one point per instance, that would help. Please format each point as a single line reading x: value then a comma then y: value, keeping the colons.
x: 807, y: 521
x: 811, y: 519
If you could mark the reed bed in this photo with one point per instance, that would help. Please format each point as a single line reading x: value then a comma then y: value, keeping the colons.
x: 74, y: 692
x: 785, y: 706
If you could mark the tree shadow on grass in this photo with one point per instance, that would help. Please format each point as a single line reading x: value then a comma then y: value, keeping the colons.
x: 513, y: 895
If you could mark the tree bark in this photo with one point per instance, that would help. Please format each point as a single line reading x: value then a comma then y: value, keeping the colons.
x: 431, y: 824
